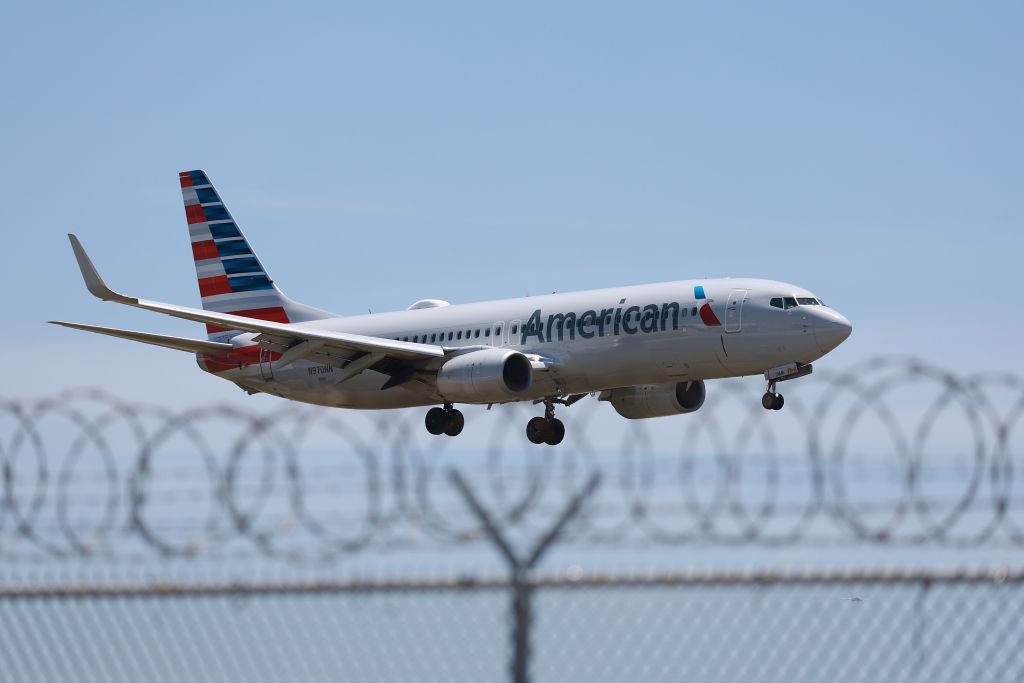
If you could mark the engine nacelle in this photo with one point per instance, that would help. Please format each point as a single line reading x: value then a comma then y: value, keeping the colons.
x: 485, y: 376
x: 656, y: 400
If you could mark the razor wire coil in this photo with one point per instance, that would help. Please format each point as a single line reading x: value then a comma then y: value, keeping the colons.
x: 265, y: 488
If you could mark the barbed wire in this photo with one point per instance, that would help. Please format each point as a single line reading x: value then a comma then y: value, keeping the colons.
x: 86, y: 474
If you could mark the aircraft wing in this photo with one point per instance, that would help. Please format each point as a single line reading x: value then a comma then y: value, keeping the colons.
x: 304, y: 339
x: 179, y: 343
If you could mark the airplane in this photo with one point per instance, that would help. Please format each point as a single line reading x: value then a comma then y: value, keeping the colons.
x: 645, y: 349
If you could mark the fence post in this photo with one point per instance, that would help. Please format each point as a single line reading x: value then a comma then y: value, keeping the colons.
x: 522, y: 618
x: 520, y: 567
x: 920, y: 624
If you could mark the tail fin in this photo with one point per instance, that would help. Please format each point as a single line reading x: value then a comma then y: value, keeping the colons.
x: 231, y: 277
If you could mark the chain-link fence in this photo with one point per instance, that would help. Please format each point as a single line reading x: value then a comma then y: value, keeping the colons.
x: 715, y: 627
x: 814, y: 626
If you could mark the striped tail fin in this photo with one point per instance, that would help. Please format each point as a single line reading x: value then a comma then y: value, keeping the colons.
x: 231, y: 277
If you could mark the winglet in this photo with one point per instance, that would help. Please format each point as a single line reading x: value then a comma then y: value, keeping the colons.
x: 93, y: 282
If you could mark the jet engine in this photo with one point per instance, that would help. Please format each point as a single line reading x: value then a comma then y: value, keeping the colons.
x: 656, y: 400
x: 485, y: 376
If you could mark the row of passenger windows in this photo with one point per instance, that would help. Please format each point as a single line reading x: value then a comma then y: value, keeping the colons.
x: 435, y: 337
x: 787, y: 302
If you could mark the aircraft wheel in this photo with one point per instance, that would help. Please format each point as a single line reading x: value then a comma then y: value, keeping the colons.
x: 556, y: 432
x: 779, y: 402
x: 456, y: 422
x: 768, y: 401
x: 537, y: 430
x: 436, y: 421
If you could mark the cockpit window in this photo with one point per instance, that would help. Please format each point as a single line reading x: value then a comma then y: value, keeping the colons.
x: 807, y: 301
x: 776, y: 302
x: 789, y: 302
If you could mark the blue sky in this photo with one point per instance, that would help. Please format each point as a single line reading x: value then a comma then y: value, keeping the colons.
x: 377, y: 154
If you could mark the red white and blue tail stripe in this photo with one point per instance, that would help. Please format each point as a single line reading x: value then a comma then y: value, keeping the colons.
x: 231, y: 277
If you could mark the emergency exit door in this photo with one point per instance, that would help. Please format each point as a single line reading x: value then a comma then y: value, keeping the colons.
x: 266, y: 369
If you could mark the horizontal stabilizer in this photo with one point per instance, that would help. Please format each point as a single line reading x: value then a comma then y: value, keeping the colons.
x: 179, y: 343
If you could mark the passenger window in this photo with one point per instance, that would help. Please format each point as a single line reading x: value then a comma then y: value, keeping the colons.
x: 776, y: 302
x: 459, y: 335
x: 487, y: 332
x: 515, y: 328
x: 415, y: 338
x: 497, y: 330
x: 476, y: 333
x: 450, y: 335
x: 789, y: 302
x: 685, y: 312
x: 693, y: 311
x: 433, y: 337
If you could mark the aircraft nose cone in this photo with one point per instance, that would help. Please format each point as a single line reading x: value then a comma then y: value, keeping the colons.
x: 832, y: 330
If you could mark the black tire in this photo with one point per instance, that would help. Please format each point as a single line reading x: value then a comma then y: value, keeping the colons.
x: 768, y: 401
x: 537, y: 430
x: 556, y: 432
x: 779, y: 402
x: 436, y: 421
x: 456, y: 421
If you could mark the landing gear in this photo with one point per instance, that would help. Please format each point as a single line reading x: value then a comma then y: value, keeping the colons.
x: 455, y: 423
x: 556, y: 432
x: 772, y: 400
x: 547, y: 429
x: 536, y: 429
x: 445, y: 420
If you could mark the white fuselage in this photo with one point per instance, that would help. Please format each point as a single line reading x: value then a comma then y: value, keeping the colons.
x: 585, y: 341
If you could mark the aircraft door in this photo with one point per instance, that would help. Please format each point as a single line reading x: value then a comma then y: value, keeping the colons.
x: 266, y: 370
x: 734, y: 310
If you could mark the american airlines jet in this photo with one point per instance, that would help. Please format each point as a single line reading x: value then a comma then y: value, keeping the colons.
x: 645, y: 349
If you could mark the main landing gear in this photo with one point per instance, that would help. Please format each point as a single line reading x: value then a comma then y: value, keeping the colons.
x: 445, y: 420
x: 772, y: 400
x: 547, y: 429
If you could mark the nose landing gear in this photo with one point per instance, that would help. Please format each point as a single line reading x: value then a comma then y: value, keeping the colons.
x: 772, y: 400
x: 445, y: 420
